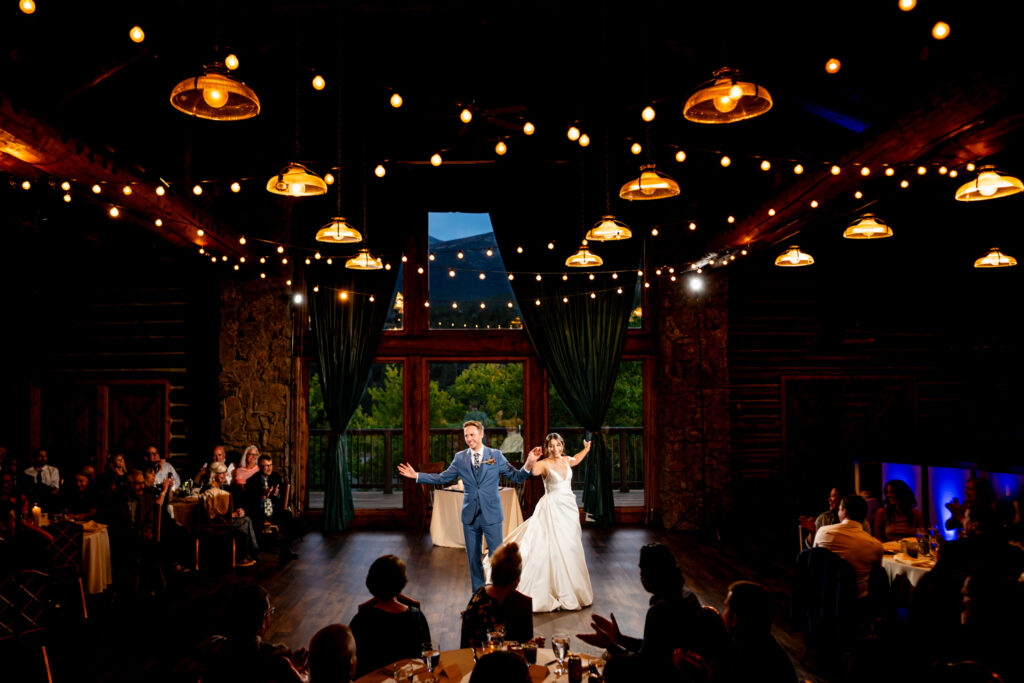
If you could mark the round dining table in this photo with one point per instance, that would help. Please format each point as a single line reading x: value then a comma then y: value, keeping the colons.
x: 456, y: 666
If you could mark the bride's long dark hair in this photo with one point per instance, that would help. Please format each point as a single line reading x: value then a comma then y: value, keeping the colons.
x: 553, y: 436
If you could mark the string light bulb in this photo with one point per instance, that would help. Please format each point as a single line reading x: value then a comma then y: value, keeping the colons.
x: 95, y: 188
x: 26, y: 185
x: 635, y: 148
x: 921, y: 170
x: 907, y: 5
x: 835, y: 170
x: 584, y: 140
x: 904, y: 184
x: 65, y: 186
x: 67, y: 198
x: 241, y: 240
x: 160, y: 191
x: 865, y: 170
x: 318, y: 82
x: 970, y: 168
x: 940, y: 31
x: 396, y: 100
x: 529, y: 128
x: 573, y: 133
x: 197, y: 190
x: 680, y: 156
x: 158, y: 223
x: 136, y: 34
x: 236, y: 188
x: 200, y: 232
x: 114, y: 213
x: 27, y: 6
x: 798, y: 169
x: 890, y: 171
x: 648, y: 114
x: 231, y: 61
x: 833, y: 65
x: 329, y: 178
x: 126, y: 190
x: 500, y: 148
x: 725, y: 161
x: 380, y: 171
x: 435, y: 160
x: 766, y: 165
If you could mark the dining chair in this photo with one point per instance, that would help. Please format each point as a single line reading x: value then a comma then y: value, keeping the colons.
x: 216, y: 527
x: 24, y: 608
x: 66, y: 558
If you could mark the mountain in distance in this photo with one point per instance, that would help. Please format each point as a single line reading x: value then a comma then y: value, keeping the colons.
x: 467, y: 286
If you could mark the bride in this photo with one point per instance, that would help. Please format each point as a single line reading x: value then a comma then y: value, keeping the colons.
x: 554, y: 570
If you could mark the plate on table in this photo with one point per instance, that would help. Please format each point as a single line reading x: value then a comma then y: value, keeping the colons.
x: 891, y: 547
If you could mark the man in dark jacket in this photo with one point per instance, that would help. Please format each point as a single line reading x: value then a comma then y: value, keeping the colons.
x: 266, y: 500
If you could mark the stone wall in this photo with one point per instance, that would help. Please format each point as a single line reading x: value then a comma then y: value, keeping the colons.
x: 693, y: 472
x: 255, y: 366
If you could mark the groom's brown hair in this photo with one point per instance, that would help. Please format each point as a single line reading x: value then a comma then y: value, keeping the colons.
x: 474, y: 423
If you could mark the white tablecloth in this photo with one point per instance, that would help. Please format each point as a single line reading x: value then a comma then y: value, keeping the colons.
x: 97, y: 572
x: 463, y: 659
x: 901, y: 565
x: 446, y: 522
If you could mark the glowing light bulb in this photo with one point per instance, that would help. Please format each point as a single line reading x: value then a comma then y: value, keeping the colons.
x: 127, y: 190
x: 236, y: 188
x: 970, y: 168
x: 858, y: 195
x: 814, y: 203
x: 725, y: 161
x: 771, y: 212
x: 200, y: 232
x: 866, y: 170
x: 907, y: 5
x: 940, y: 31
x: 921, y: 170
x: 396, y: 100
x: 798, y: 169
x: 65, y: 186
x: 215, y: 97
x: 241, y: 240
x: 435, y: 160
x: 197, y: 190
x: 519, y: 250
x: 280, y: 250
x: 654, y: 233
x: 551, y: 245
x: 231, y: 61
x: 890, y: 171
x: 318, y: 82
x: 635, y: 148
x: 693, y: 226
x: 680, y: 156
x: 835, y: 170
x: 137, y: 34
x: 67, y: 198
x: 647, y: 114
x: 905, y: 184
x: 158, y: 223
x: 766, y: 165
x: 584, y: 140
x: 573, y: 133
x: 988, y: 183
x: 725, y: 103
x: 460, y: 256
x: 96, y: 188
x: 943, y: 170
x: 490, y: 252
x: 114, y: 213
x: 26, y: 185
x: 465, y: 116
x: 27, y: 6
x: 451, y: 273
x: 160, y: 191
x: 500, y: 148
x: 731, y: 219
x: 833, y: 65
x: 379, y: 171
x: 529, y: 128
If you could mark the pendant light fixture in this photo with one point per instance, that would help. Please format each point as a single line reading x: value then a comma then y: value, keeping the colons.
x: 649, y: 185
x: 867, y: 227
x: 338, y: 231
x: 215, y: 95
x: 584, y: 258
x: 726, y: 98
x: 990, y: 184
x: 364, y: 260
x: 794, y: 258
x: 608, y: 229
x: 295, y: 180
x: 995, y: 259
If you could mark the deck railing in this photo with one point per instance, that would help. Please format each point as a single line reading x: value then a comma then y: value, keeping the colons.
x: 374, y: 454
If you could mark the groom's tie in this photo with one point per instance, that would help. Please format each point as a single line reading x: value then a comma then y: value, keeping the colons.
x: 477, y: 457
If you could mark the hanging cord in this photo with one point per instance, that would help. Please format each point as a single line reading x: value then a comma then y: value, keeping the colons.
x: 338, y: 177
x: 298, y: 52
x: 607, y: 186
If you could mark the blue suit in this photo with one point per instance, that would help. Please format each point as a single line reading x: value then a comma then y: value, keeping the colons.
x: 481, y: 504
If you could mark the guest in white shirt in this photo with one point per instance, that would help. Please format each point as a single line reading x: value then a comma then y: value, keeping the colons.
x: 43, y: 475
x: 164, y: 469
x: 205, y: 476
x: 849, y: 541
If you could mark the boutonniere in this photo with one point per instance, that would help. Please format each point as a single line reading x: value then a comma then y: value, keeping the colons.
x: 488, y: 461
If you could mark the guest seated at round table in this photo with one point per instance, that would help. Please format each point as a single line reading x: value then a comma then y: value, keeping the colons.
x: 387, y: 628
x: 80, y: 502
x: 899, y: 517
x: 332, y: 655
x: 249, y: 466
x: 115, y: 473
x: 217, y: 504
x: 499, y: 602
x: 204, y: 476
x: 978, y: 491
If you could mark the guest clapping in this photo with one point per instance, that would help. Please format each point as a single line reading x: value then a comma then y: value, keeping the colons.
x: 390, y: 626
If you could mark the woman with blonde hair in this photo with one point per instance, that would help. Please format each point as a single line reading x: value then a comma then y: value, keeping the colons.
x: 554, y: 570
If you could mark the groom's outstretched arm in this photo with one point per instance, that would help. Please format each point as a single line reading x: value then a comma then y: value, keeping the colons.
x: 446, y: 477
x: 522, y: 474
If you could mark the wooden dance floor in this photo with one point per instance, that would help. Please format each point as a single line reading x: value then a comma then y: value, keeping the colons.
x: 154, y: 636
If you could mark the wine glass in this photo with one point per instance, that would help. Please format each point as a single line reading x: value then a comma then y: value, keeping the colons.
x: 560, y: 644
x: 431, y: 653
x: 597, y: 667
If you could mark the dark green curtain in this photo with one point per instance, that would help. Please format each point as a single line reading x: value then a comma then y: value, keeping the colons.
x: 347, y: 335
x: 579, y: 341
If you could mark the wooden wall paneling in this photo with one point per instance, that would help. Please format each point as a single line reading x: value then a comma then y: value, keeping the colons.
x: 102, y: 446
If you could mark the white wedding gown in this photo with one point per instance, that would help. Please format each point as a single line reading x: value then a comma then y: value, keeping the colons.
x: 551, y: 543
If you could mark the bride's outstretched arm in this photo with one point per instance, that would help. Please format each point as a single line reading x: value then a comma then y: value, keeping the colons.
x: 539, y: 466
x: 578, y: 458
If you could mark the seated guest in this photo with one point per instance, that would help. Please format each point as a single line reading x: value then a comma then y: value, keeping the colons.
x: 116, y: 470
x: 387, y: 629
x: 753, y: 654
x: 830, y: 516
x: 899, y: 518
x: 242, y: 655
x: 248, y: 467
x: 9, y: 496
x: 499, y: 602
x: 217, y: 505
x: 332, y: 655
x: 80, y: 502
x: 203, y: 476
x: 978, y: 491
x: 501, y: 667
x: 848, y: 540
x: 43, y: 479
x: 164, y: 469
x: 133, y: 530
x: 266, y: 500
x: 673, y: 620
x: 990, y: 631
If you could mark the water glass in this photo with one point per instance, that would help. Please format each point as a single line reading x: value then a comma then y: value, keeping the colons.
x: 560, y: 644
x: 495, y: 639
x: 431, y: 655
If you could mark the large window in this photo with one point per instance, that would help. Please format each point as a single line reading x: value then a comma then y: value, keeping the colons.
x: 491, y: 393
x: 623, y: 434
x: 375, y: 441
x: 469, y: 286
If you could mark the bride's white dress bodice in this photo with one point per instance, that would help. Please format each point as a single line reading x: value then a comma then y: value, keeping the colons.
x: 554, y: 569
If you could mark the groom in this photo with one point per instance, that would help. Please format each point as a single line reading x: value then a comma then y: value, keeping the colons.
x: 479, y: 467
